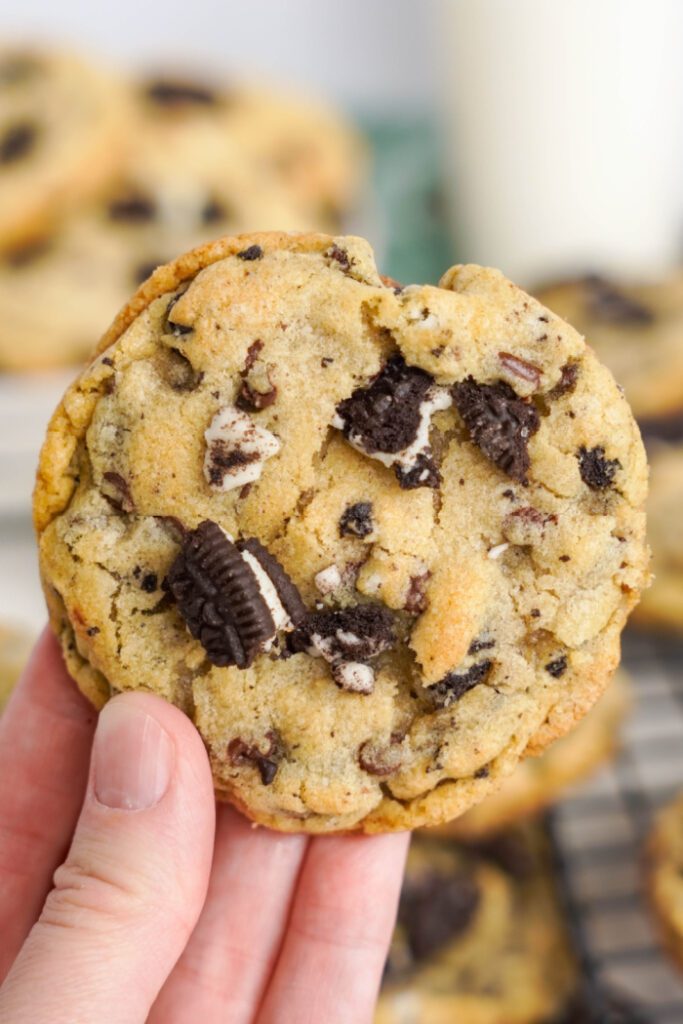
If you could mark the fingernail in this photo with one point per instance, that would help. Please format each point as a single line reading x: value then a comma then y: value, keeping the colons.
x: 133, y: 758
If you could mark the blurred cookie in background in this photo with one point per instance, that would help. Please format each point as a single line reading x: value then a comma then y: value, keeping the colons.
x: 15, y: 647
x: 637, y: 330
x: 538, y: 782
x: 662, y: 604
x: 480, y: 937
x: 63, y: 130
x: 664, y: 876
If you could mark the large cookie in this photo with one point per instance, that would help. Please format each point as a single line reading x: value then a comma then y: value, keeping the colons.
x: 63, y: 128
x: 479, y: 938
x: 663, y: 602
x: 638, y: 331
x: 540, y: 781
x: 376, y: 541
x: 665, y: 876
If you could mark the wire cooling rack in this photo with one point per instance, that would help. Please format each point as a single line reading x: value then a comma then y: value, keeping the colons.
x: 600, y: 830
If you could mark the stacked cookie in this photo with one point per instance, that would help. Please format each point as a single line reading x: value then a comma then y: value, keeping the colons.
x: 102, y: 179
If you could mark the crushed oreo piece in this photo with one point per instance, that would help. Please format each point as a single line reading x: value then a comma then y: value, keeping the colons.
x: 236, y: 449
x: 435, y: 909
x: 416, y: 598
x: 265, y: 757
x: 608, y: 303
x: 230, y: 605
x: 380, y: 758
x: 558, y: 667
x: 253, y: 252
x: 169, y: 93
x: 520, y: 368
x: 346, y: 638
x: 596, y: 471
x: 257, y: 390
x: 17, y: 142
x: 121, y: 498
x: 453, y: 686
x: 134, y: 208
x: 389, y: 420
x: 356, y: 520
x: 567, y: 382
x: 499, y: 422
x: 480, y: 645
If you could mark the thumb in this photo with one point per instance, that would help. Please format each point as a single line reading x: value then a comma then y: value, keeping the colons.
x: 134, y: 881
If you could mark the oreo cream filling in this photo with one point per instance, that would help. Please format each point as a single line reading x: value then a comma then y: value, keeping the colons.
x: 236, y: 449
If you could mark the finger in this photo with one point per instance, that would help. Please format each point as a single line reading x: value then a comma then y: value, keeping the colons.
x: 224, y: 969
x: 343, y: 914
x: 130, y: 891
x: 45, y: 739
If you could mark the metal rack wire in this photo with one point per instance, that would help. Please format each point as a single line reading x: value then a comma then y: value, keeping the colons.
x: 599, y: 832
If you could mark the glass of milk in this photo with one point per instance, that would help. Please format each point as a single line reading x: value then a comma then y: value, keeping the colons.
x: 563, y: 134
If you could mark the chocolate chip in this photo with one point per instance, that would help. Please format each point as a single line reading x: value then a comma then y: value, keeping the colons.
x: 265, y: 757
x: 340, y: 256
x: 149, y: 582
x: 122, y: 498
x: 520, y: 368
x: 607, y: 303
x: 435, y: 909
x: 499, y: 422
x: 178, y: 371
x: 453, y: 686
x: 356, y: 520
x: 558, y: 667
x: 326, y: 361
x: 145, y: 270
x: 354, y: 634
x: 18, y: 140
x: 170, y: 326
x: 254, y: 252
x: 169, y: 93
x: 596, y: 471
x: 567, y: 382
x: 385, y: 415
x: 219, y: 597
x: 134, y: 208
x: 423, y: 473
x: 380, y: 758
x: 416, y: 598
x: 286, y: 590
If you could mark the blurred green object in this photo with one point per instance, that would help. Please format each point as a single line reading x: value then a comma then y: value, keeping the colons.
x: 415, y: 245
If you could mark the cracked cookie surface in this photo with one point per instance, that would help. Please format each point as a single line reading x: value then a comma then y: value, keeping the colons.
x: 450, y: 625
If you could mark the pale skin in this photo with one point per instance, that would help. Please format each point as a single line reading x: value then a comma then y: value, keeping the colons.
x: 127, y: 895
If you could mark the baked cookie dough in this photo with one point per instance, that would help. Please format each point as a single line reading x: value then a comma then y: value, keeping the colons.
x: 637, y: 330
x: 63, y: 126
x: 479, y: 938
x: 539, y: 781
x: 15, y: 646
x: 663, y: 602
x: 665, y: 876
x: 376, y: 541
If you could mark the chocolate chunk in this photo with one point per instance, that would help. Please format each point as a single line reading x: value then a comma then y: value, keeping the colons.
x: 18, y: 140
x: 340, y: 256
x: 499, y: 422
x: 213, y: 211
x: 596, y: 471
x: 356, y: 520
x: 423, y: 473
x: 480, y: 645
x: 265, y: 756
x: 169, y: 93
x: 134, y: 208
x: 257, y: 390
x: 607, y: 303
x: 254, y: 252
x: 520, y: 367
x: 385, y: 415
x: 178, y: 371
x: 354, y: 634
x: 170, y: 326
x: 380, y: 758
x: 286, y: 590
x: 453, y: 686
x: 416, y: 598
x: 558, y: 667
x: 144, y: 270
x: 122, y: 498
x: 567, y: 382
x: 435, y: 909
x: 219, y: 597
x: 149, y: 582
x: 251, y: 400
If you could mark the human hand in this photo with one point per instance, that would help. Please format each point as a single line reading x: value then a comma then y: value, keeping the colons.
x: 167, y: 908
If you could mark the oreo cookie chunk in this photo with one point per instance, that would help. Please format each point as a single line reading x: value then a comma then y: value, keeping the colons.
x: 499, y: 422
x: 389, y: 420
x: 234, y: 598
x: 236, y: 448
x: 348, y: 639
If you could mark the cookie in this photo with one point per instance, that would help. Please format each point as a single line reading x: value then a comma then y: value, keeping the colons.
x: 663, y: 602
x: 479, y: 936
x: 539, y: 781
x: 15, y: 646
x: 184, y: 182
x: 63, y: 127
x: 637, y: 330
x: 664, y: 877
x: 450, y: 532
